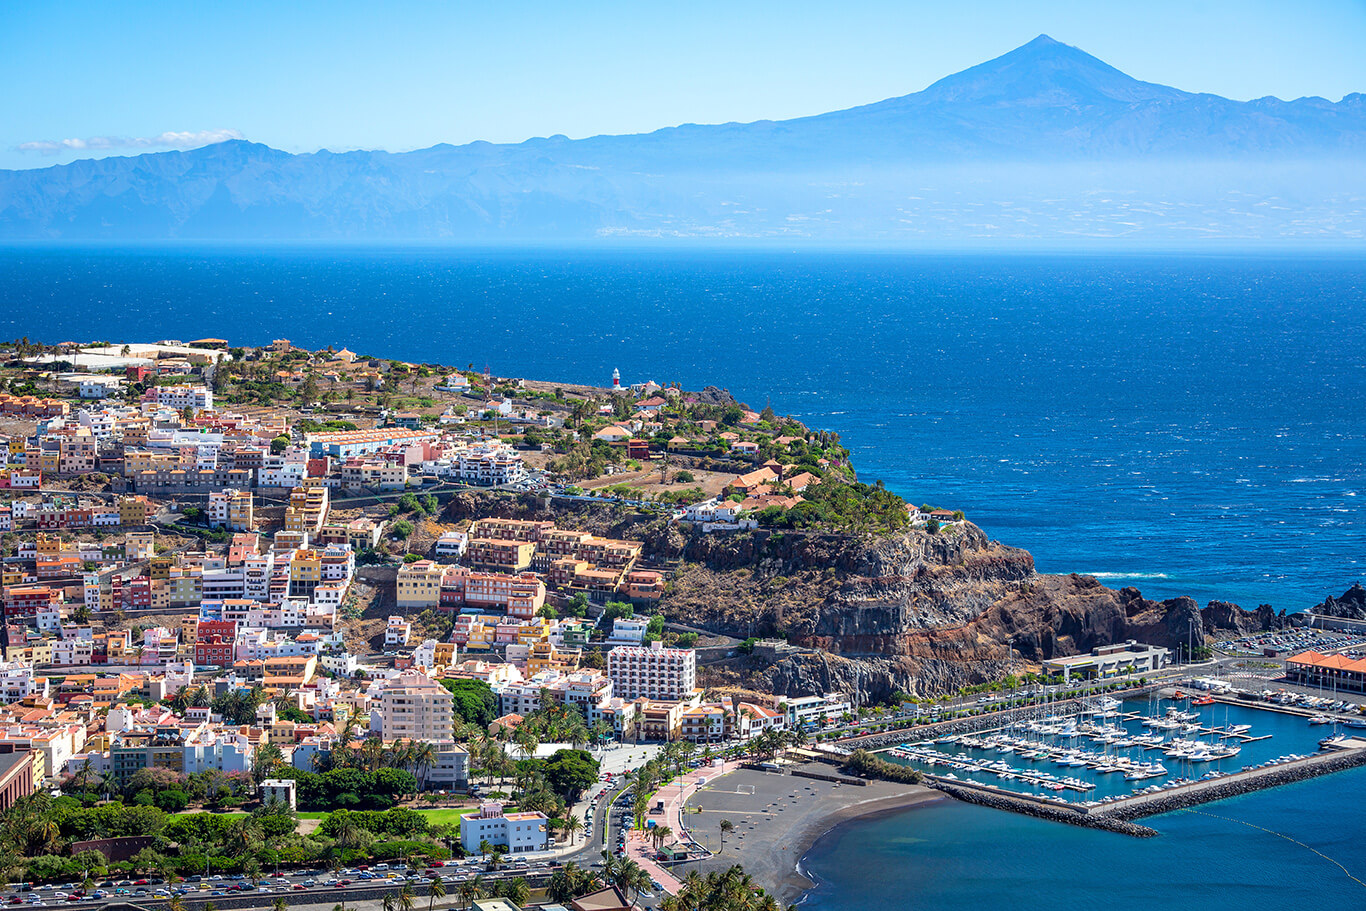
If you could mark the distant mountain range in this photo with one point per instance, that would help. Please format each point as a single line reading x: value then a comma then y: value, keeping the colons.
x: 1044, y: 144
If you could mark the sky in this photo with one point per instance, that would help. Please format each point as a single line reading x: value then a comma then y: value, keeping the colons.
x: 86, y: 79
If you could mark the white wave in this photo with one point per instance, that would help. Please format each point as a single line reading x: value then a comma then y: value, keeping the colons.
x: 1128, y: 575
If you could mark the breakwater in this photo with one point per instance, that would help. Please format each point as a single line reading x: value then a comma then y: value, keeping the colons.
x: 986, y: 796
x: 1199, y: 792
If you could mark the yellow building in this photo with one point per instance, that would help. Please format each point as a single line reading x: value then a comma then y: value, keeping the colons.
x: 160, y: 568
x: 305, y: 573
x: 308, y: 505
x: 49, y: 545
x: 419, y: 584
x: 544, y: 656
x: 185, y: 585
x: 134, y: 510
x: 139, y: 545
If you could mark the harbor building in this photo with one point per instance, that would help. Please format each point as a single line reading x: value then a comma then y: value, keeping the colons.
x: 1336, y: 672
x: 1110, y: 661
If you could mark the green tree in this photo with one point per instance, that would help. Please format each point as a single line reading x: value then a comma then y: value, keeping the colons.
x: 475, y: 702
x: 571, y: 772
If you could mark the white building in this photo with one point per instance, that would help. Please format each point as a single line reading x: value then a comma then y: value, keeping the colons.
x: 279, y: 790
x: 655, y: 672
x: 396, y: 632
x: 180, y: 396
x: 802, y: 710
x: 485, y: 464
x: 518, y: 833
x: 17, y: 682
x: 213, y: 749
x: 452, y: 545
x: 628, y: 631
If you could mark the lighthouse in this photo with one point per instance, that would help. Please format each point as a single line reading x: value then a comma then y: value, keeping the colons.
x: 616, y: 378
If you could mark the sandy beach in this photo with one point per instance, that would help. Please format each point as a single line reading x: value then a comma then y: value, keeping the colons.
x: 778, y: 818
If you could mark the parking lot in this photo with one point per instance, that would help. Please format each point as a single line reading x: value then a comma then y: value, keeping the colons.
x: 1292, y: 641
x: 302, y: 886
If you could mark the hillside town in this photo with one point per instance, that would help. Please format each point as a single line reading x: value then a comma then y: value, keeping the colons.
x: 190, y: 579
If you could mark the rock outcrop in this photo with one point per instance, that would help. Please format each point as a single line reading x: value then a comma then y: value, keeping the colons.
x: 914, y: 612
x: 1351, y: 606
x: 917, y: 613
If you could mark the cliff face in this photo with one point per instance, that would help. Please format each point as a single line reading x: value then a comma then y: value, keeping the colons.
x: 917, y: 613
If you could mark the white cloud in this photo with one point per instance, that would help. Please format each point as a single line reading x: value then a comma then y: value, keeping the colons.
x: 168, y: 140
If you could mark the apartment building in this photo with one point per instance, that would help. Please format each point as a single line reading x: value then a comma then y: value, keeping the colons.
x: 504, y: 555
x: 181, y: 396
x: 652, y: 672
x: 415, y: 707
x: 232, y: 509
x: 524, y: 530
x: 520, y: 595
x: 307, y: 510
x: 419, y: 584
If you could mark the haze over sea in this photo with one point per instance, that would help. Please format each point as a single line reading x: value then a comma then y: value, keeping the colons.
x: 1188, y: 425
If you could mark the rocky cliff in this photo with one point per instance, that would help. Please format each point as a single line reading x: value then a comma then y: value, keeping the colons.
x: 918, y: 613
x: 1351, y: 606
x: 915, y: 612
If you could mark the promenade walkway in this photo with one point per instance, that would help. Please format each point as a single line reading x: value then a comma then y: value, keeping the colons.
x: 675, y: 795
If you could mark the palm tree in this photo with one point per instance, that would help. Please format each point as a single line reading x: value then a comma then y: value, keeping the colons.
x: 424, y: 757
x: 726, y: 828
x: 435, y: 889
x: 279, y: 904
x: 405, y: 898
x: 659, y: 835
x: 640, y: 804
x: 517, y: 891
x: 572, y: 826
x: 388, y: 902
x: 175, y: 903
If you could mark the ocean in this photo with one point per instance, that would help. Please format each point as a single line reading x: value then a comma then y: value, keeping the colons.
x: 1188, y: 425
x: 1284, y: 848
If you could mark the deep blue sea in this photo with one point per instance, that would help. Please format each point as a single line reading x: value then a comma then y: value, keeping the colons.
x: 1188, y: 425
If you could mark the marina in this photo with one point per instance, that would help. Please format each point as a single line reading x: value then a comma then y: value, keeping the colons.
x: 1111, y: 753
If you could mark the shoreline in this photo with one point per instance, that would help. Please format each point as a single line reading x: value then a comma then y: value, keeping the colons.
x: 871, y: 809
x: 777, y: 819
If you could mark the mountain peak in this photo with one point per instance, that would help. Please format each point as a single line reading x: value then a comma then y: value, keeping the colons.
x: 1045, y: 71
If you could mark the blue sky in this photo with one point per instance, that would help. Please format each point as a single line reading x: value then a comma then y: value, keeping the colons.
x: 83, y: 79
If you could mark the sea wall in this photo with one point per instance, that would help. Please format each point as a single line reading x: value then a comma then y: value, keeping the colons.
x: 1239, y: 783
x: 1029, y: 806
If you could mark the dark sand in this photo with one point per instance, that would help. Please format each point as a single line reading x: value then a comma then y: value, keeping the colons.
x: 778, y: 818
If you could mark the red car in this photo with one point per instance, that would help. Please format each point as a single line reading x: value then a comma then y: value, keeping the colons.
x: 299, y: 887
